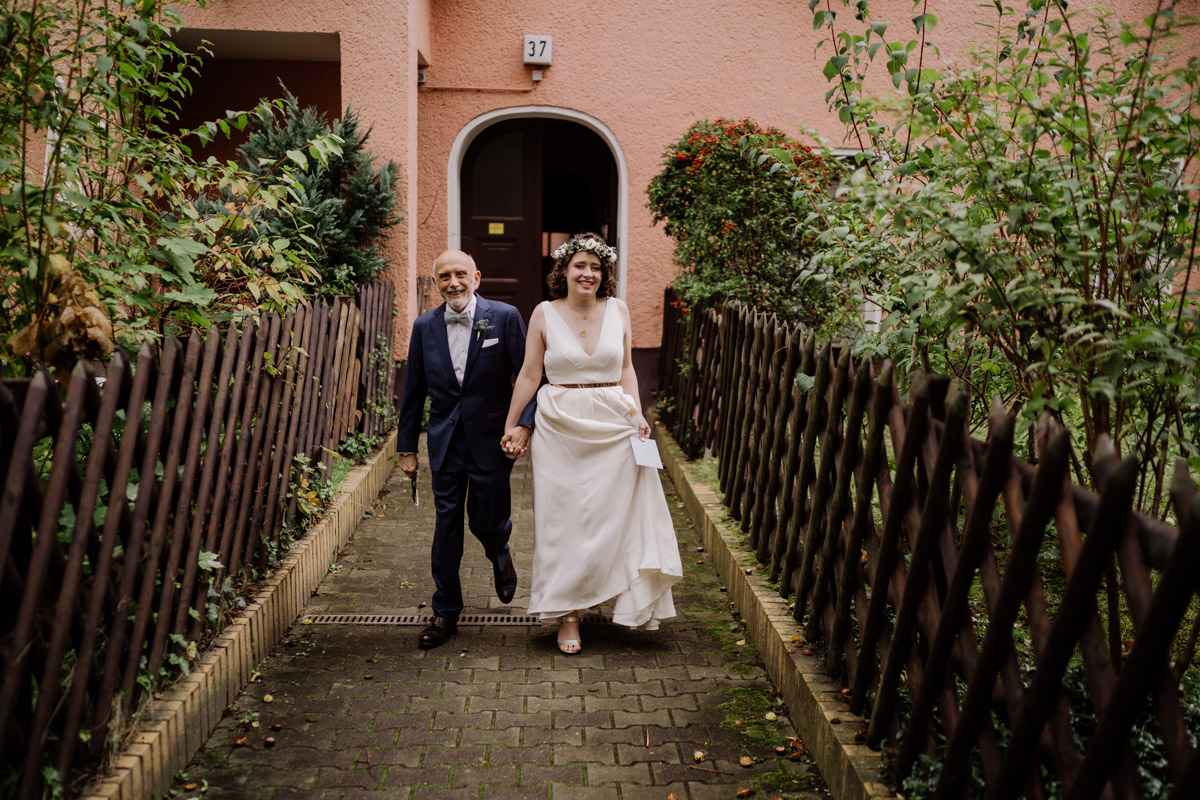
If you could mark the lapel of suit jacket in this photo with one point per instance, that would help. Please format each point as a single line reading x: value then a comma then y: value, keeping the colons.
x: 442, y: 344
x: 483, y: 313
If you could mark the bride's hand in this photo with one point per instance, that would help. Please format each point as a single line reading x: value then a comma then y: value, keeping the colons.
x: 515, y: 442
x: 643, y: 428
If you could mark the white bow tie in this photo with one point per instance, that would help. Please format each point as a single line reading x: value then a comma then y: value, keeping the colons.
x: 457, y: 317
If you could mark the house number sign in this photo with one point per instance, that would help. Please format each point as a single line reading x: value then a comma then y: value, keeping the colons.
x: 536, y: 50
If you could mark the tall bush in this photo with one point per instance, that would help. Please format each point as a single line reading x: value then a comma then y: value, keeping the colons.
x: 731, y: 218
x: 101, y: 239
x: 1027, y: 220
x: 348, y: 204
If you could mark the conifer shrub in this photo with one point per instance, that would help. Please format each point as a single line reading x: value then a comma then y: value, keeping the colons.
x: 347, y: 205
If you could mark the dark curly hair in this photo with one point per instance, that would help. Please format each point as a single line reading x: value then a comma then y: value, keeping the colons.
x: 556, y: 281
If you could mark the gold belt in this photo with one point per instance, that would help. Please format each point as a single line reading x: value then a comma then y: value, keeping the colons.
x: 584, y: 385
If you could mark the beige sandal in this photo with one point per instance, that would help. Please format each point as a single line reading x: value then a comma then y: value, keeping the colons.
x: 564, y: 644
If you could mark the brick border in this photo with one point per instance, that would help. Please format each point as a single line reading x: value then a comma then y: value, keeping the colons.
x: 850, y: 769
x: 176, y: 723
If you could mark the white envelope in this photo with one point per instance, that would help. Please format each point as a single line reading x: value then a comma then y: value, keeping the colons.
x: 645, y: 453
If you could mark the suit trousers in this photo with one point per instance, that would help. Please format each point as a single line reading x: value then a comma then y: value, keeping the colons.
x: 461, y: 485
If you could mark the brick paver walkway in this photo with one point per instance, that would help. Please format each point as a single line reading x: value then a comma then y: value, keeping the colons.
x: 498, y: 712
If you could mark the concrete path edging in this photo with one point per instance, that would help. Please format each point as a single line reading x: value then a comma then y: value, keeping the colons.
x: 851, y: 769
x: 176, y: 723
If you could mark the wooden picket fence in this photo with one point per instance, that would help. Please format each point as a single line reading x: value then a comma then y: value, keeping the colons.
x: 140, y: 503
x: 875, y: 517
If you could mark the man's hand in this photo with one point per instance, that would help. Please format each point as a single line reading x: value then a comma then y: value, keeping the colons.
x: 515, y: 442
x: 407, y: 463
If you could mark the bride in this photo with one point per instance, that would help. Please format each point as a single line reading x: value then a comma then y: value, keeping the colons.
x: 602, y: 530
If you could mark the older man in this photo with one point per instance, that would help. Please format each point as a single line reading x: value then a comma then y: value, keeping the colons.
x: 463, y: 355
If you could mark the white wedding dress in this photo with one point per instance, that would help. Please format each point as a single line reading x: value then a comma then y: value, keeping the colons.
x: 602, y: 530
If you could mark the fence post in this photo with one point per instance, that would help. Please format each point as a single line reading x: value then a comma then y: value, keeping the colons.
x: 756, y: 454
x: 851, y: 452
x: 800, y: 510
x: 852, y: 569
x: 916, y: 581
x: 740, y: 351
x: 889, y: 543
x: 815, y: 524
x: 748, y: 420
x: 792, y: 502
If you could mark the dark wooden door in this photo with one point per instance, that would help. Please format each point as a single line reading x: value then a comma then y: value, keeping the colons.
x: 501, y: 211
x: 527, y: 184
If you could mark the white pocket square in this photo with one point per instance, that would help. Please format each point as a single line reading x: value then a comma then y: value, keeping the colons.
x: 490, y: 342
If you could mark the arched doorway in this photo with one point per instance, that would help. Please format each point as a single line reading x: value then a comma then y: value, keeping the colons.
x: 526, y: 184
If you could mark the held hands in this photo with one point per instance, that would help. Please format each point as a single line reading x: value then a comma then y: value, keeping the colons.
x: 515, y: 442
x: 643, y: 428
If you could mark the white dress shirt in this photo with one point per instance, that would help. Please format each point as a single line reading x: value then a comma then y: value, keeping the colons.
x: 458, y: 337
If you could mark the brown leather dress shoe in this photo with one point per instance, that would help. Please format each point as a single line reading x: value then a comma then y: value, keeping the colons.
x: 506, y: 581
x: 438, y: 631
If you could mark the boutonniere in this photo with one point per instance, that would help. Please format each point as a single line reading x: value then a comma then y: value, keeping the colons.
x: 480, y: 326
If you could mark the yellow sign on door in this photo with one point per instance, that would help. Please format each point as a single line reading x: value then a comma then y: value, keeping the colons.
x: 495, y: 228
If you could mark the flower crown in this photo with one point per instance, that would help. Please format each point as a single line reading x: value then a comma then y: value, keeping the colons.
x: 593, y: 246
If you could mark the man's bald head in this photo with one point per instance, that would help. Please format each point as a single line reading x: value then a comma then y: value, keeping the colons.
x: 453, y: 257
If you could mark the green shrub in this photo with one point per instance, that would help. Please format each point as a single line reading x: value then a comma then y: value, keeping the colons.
x: 348, y: 204
x: 101, y: 240
x: 730, y: 215
x: 1027, y: 219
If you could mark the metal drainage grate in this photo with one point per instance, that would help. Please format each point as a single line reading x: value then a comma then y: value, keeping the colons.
x: 423, y: 619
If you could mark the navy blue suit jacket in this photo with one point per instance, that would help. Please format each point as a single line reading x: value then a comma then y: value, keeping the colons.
x: 481, y: 402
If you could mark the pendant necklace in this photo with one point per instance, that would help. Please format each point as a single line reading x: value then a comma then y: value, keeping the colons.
x: 583, y: 318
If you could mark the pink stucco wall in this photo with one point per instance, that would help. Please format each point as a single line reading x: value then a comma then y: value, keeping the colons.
x: 644, y: 71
